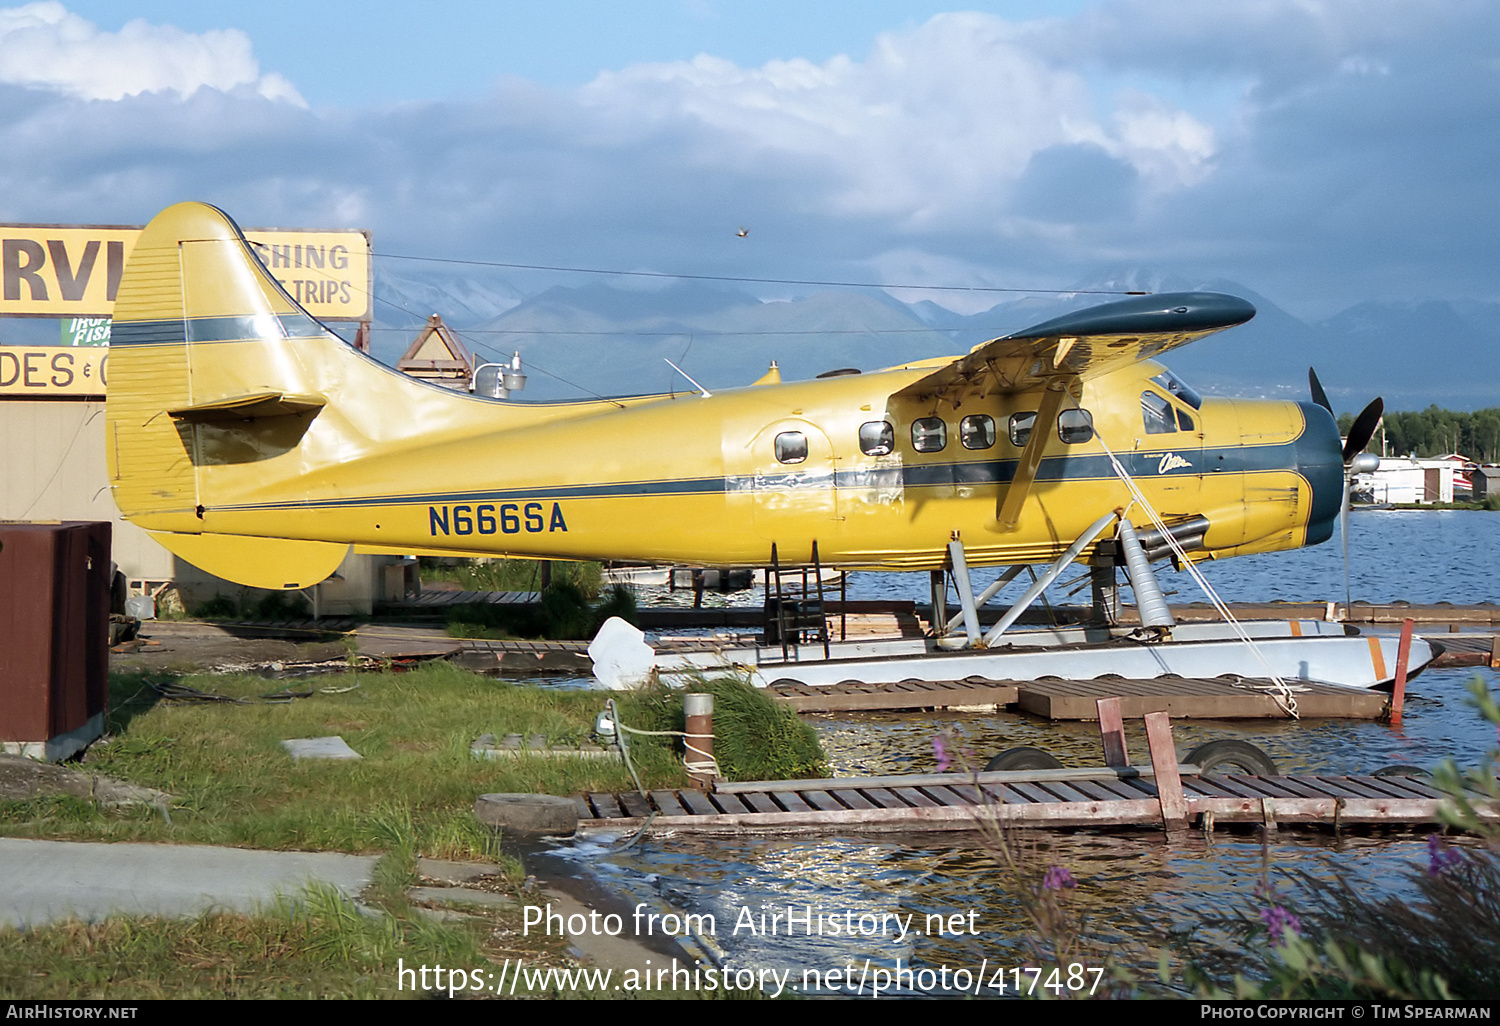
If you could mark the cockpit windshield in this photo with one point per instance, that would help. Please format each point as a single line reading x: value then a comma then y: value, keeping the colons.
x: 1175, y: 385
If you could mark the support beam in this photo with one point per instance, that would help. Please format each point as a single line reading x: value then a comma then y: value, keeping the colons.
x: 1105, y: 588
x: 965, y: 592
x: 990, y: 592
x: 938, y: 581
x: 1053, y: 573
x: 1015, y: 493
x: 1149, y: 600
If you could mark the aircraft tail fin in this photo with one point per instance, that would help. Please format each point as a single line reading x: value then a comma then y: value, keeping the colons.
x: 216, y: 377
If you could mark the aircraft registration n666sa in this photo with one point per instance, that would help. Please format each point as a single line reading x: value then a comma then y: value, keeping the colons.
x: 256, y: 444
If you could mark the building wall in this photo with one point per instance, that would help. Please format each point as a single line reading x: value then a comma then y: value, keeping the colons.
x: 1411, y: 481
x: 52, y: 468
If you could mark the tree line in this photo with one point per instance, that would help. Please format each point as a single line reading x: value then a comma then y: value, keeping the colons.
x: 1437, y: 432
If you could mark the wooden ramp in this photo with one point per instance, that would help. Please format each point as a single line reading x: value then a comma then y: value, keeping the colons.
x: 1219, y: 698
x: 1038, y: 799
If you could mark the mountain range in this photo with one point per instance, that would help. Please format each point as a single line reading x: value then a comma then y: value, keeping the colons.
x: 605, y: 339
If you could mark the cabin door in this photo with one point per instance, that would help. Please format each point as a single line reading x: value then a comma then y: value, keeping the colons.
x: 792, y: 486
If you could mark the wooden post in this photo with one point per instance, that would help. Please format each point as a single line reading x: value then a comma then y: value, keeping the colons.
x: 1268, y: 816
x: 1112, y: 732
x: 1403, y: 657
x: 698, y: 707
x: 1168, y: 782
x: 1495, y: 652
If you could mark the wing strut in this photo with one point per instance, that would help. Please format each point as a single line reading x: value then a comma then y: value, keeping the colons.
x: 1031, y: 459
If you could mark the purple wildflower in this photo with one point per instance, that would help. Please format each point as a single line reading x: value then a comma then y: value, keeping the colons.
x: 941, y: 751
x: 1279, y: 923
x: 1440, y: 856
x: 1058, y: 878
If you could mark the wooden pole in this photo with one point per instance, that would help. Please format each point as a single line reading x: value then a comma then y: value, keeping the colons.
x: 1112, y: 732
x: 1403, y: 657
x: 1168, y: 782
x: 698, y: 709
x: 1495, y: 652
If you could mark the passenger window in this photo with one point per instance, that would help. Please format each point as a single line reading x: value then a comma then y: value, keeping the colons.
x: 1075, y: 426
x: 1184, y: 421
x: 1157, y: 413
x: 791, y: 447
x: 929, y: 434
x: 877, y: 438
x: 1020, y: 428
x: 977, y: 431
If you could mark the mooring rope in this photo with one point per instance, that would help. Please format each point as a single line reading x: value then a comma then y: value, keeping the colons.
x: 1278, y: 689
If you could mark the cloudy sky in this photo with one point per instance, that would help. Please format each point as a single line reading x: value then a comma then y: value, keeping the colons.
x: 1323, y: 153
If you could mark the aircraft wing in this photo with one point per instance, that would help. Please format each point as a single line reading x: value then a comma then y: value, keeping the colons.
x: 1085, y: 343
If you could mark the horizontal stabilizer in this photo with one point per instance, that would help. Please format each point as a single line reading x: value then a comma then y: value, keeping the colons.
x: 249, y: 407
x: 278, y: 564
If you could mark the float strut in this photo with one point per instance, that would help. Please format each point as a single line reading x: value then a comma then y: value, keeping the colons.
x: 1149, y: 600
x: 990, y: 592
x: 1053, y: 572
x: 965, y: 591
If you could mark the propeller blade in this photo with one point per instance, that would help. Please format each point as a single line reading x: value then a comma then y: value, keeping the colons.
x: 1319, y: 396
x: 1363, y: 429
x: 1344, y: 534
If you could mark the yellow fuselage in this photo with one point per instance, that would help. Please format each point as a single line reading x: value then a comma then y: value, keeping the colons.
x: 347, y: 451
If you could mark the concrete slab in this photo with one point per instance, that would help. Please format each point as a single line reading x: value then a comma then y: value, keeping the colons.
x: 320, y: 748
x: 460, y: 897
x: 455, y: 873
x: 44, y: 881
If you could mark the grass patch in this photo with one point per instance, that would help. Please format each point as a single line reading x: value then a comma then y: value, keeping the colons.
x: 754, y: 738
x: 320, y: 947
x: 233, y: 784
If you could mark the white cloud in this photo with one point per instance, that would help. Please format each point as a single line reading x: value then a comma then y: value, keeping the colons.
x: 43, y: 45
x: 1299, y: 147
x: 933, y: 127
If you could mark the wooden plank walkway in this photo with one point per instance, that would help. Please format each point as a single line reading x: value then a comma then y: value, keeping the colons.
x: 973, y: 694
x: 1465, y: 650
x: 1085, y: 799
x: 1056, y: 699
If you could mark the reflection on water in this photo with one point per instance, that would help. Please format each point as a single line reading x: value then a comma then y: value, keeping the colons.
x: 1133, y: 887
x: 956, y: 894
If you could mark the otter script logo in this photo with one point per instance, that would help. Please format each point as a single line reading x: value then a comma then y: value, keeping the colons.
x: 1171, y: 461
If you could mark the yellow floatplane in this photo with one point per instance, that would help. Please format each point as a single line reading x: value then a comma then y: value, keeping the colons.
x: 257, y: 445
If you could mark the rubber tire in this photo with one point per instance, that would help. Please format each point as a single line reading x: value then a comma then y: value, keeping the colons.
x: 535, y: 814
x: 1023, y: 758
x: 1401, y: 770
x: 1233, y: 755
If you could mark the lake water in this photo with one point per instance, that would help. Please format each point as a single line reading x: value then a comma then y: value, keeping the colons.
x: 1133, y: 887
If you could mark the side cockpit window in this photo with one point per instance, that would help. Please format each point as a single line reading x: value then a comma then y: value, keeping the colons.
x: 1179, y: 389
x: 1157, y: 413
x: 877, y: 438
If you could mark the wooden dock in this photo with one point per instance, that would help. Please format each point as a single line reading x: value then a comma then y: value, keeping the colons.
x: 1019, y: 799
x: 1163, y: 795
x: 1053, y: 698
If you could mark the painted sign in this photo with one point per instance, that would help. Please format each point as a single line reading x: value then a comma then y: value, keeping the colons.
x: 85, y: 331
x: 74, y: 270
x: 43, y: 372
